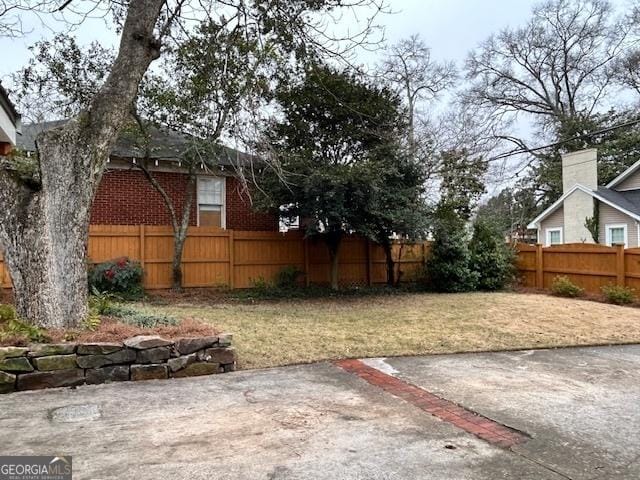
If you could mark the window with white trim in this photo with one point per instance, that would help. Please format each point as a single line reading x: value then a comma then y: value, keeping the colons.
x: 211, y: 198
x: 616, y: 233
x: 553, y: 236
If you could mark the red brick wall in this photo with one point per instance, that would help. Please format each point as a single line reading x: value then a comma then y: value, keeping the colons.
x: 240, y: 214
x: 125, y: 197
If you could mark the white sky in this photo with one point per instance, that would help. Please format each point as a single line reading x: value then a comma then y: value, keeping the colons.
x: 450, y: 27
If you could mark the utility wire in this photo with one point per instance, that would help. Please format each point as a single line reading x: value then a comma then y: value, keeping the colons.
x: 562, y: 142
x: 511, y: 153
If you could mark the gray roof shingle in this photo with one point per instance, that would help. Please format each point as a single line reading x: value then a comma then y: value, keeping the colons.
x: 629, y: 200
x: 166, y: 144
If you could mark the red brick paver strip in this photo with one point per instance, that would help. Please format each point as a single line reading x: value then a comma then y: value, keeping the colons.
x: 469, y: 421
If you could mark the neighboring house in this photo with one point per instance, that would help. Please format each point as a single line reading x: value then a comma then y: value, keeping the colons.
x: 126, y: 197
x: 9, y: 123
x: 617, y: 204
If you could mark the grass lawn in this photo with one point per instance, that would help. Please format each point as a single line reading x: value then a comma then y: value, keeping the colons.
x: 270, y: 333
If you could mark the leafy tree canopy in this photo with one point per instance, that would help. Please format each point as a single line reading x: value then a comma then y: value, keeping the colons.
x: 335, y: 129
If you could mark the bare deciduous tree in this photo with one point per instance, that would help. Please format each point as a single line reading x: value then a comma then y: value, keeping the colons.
x: 556, y: 67
x: 417, y: 76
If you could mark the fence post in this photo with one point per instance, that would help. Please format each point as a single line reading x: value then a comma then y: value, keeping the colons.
x: 620, y: 270
x: 369, y: 263
x: 539, y: 266
x: 232, y: 260
x: 142, y: 233
x: 142, y: 250
x: 305, y: 245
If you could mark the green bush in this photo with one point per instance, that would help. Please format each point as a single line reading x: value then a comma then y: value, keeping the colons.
x: 285, y: 283
x: 618, y: 294
x: 288, y: 277
x: 491, y: 258
x: 7, y: 313
x: 12, y: 327
x: 121, y: 276
x: 260, y: 285
x: 449, y: 265
x: 101, y: 302
x: 563, y: 287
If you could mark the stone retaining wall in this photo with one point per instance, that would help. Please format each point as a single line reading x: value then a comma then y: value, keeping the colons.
x: 138, y: 358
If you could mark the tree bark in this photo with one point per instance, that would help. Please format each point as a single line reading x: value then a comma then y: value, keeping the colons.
x: 391, y: 267
x: 180, y: 233
x: 181, y: 227
x: 44, y: 220
x: 333, y: 241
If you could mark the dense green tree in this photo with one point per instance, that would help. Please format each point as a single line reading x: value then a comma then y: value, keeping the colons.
x: 449, y: 263
x: 462, y: 181
x: 395, y: 206
x: 335, y: 147
x: 492, y: 259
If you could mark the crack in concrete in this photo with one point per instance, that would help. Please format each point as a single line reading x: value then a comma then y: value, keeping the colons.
x: 541, y: 464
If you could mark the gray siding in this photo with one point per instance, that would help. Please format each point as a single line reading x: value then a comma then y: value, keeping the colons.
x: 609, y: 215
x: 632, y: 182
x: 554, y: 220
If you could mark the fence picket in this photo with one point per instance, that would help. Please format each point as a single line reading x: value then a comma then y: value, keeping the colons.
x: 215, y: 258
x: 236, y: 259
x: 587, y: 265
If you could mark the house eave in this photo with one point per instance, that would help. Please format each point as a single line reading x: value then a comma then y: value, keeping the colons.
x: 535, y: 223
x: 624, y: 175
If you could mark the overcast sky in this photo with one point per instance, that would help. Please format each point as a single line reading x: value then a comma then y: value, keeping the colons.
x: 450, y: 27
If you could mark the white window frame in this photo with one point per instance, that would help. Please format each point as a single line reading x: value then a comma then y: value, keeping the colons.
x: 607, y: 232
x: 547, y: 235
x: 223, y: 213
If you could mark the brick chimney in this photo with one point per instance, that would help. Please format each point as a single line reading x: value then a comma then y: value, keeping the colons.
x: 579, y: 168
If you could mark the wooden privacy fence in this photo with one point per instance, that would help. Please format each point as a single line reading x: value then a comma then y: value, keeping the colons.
x: 589, y: 266
x: 214, y: 258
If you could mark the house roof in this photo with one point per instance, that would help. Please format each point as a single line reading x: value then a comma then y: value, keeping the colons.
x: 626, y: 202
x: 624, y: 175
x: 166, y: 144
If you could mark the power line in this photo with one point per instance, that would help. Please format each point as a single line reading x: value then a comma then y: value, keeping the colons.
x: 562, y: 142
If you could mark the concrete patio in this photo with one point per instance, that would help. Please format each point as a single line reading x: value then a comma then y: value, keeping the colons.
x: 578, y: 406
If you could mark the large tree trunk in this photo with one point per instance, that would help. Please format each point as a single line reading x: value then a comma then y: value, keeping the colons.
x: 44, y: 219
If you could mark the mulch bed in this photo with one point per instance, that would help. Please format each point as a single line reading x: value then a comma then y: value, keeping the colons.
x: 114, y: 330
x: 591, y: 297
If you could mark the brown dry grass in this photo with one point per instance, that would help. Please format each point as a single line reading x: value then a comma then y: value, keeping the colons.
x: 288, y: 332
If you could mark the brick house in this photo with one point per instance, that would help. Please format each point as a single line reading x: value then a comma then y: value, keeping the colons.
x: 126, y: 197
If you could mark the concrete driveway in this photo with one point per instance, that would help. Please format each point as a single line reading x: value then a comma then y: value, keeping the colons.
x: 576, y: 412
